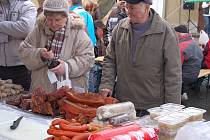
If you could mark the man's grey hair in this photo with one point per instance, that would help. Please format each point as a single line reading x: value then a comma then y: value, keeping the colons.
x: 74, y: 2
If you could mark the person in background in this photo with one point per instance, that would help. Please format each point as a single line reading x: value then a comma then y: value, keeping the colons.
x: 118, y: 13
x: 144, y: 56
x: 100, y: 50
x: 40, y: 8
x: 17, y: 19
x: 91, y: 6
x: 57, y: 36
x: 99, y: 31
x: 191, y: 57
x: 206, y: 15
x: 206, y: 53
x: 76, y: 7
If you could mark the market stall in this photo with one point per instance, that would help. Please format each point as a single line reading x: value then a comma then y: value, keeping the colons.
x: 67, y: 114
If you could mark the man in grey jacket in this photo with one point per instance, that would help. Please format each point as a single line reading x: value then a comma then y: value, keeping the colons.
x: 17, y: 19
x: 144, y: 56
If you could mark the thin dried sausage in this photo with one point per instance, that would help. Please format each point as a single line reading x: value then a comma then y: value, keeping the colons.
x: 81, y: 128
x: 76, y: 109
x: 59, y: 120
x: 59, y: 133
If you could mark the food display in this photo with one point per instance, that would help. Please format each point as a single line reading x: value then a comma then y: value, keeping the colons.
x: 116, y: 114
x: 169, y: 124
x: 7, y: 88
x: 47, y: 103
x: 64, y: 102
x: 172, y: 107
x: 164, y: 109
x: 170, y: 117
x: 196, y: 114
x: 172, y: 122
x: 89, y: 116
x: 122, y: 118
x: 109, y: 111
x: 83, y: 106
x: 157, y: 111
x: 72, y: 130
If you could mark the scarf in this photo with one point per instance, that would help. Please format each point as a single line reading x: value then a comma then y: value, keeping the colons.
x: 55, y: 42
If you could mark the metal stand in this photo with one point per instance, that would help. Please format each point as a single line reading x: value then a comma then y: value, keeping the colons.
x: 190, y: 21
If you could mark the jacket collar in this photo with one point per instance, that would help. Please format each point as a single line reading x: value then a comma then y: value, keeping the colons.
x: 72, y: 23
x: 155, y: 27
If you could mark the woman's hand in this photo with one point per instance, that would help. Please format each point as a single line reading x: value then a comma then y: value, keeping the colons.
x: 60, y: 69
x: 47, y: 55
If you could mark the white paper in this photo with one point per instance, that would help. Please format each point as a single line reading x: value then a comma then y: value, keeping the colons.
x: 64, y: 83
x: 52, y: 77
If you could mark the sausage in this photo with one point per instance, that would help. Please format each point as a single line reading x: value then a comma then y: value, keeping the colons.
x: 59, y: 120
x: 54, y: 127
x: 72, y: 124
x: 76, y: 109
x: 59, y: 133
x: 56, y: 138
x: 75, y: 124
x: 72, y: 120
x: 81, y: 128
x: 88, y: 101
x: 83, y: 136
x: 56, y: 95
x: 65, y: 138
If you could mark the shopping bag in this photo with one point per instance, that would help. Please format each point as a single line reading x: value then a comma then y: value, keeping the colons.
x: 64, y: 81
x: 204, y: 38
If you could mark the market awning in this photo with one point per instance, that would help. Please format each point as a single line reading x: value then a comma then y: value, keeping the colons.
x: 197, y: 1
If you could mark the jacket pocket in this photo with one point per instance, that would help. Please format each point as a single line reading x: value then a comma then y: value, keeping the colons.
x: 154, y: 85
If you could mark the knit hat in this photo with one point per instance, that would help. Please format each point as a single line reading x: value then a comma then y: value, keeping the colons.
x: 56, y: 6
x: 137, y: 1
x: 181, y: 29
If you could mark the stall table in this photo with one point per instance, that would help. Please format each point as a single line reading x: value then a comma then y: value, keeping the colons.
x: 205, y: 73
x: 31, y: 127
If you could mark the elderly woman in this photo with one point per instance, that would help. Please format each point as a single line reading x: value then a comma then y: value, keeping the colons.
x: 57, y: 36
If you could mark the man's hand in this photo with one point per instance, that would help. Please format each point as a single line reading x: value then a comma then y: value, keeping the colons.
x: 60, y: 69
x: 48, y: 55
x: 106, y: 92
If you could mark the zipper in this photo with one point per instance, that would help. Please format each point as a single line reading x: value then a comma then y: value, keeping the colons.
x: 5, y: 56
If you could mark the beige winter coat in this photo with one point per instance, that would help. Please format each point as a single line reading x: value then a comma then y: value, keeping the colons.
x: 77, y: 52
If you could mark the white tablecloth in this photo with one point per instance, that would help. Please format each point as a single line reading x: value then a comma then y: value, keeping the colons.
x: 31, y: 127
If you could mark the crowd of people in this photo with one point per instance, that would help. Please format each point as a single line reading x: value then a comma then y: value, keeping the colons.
x: 56, y: 45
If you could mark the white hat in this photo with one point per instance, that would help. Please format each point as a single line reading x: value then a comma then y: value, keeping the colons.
x: 56, y: 6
